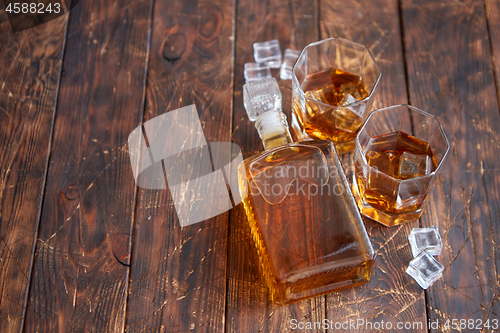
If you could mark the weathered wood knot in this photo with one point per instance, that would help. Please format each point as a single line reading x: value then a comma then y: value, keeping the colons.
x: 174, y: 46
x: 211, y: 23
x: 72, y: 193
x: 120, y: 247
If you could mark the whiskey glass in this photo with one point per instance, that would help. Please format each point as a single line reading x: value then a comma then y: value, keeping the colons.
x: 333, y: 83
x: 399, y: 151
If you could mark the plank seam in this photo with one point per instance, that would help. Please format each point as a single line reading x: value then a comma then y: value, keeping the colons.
x: 405, y: 63
x: 233, y: 85
x: 136, y: 188
x: 318, y: 18
x: 493, y: 64
x: 403, y: 48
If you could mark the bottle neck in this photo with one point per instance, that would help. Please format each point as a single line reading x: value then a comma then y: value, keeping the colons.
x: 273, y: 129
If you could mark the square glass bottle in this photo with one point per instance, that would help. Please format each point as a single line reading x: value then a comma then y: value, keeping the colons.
x: 308, y: 231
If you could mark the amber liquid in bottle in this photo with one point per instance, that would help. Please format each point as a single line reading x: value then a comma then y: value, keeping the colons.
x: 336, y: 88
x: 308, y: 231
x: 400, y: 156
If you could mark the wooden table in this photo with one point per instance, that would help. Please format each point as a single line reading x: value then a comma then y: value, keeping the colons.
x: 82, y: 249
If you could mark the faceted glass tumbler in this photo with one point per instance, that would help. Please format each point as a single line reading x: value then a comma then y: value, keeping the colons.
x: 314, y: 116
x: 425, y: 269
x: 427, y: 239
x: 389, y: 197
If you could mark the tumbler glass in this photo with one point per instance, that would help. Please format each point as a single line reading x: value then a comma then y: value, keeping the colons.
x: 399, y: 150
x: 333, y: 83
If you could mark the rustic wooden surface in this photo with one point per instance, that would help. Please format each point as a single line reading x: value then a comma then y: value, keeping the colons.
x: 179, y: 283
x: 82, y: 249
x: 80, y: 270
x: 29, y: 75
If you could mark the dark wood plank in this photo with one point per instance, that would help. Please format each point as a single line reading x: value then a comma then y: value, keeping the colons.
x: 450, y: 74
x: 392, y: 295
x: 294, y: 24
x: 493, y: 18
x: 177, y: 280
x: 30, y: 63
x: 79, y: 280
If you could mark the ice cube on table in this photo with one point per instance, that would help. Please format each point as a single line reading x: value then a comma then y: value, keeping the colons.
x: 256, y: 72
x: 268, y: 52
x: 411, y: 165
x: 289, y: 60
x: 261, y: 96
x: 425, y: 269
x: 427, y: 239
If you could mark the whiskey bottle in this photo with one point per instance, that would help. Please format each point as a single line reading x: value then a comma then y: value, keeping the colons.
x: 305, y: 223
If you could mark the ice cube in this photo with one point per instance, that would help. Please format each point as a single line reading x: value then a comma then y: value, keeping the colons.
x: 317, y: 95
x: 256, y: 72
x: 411, y: 165
x: 349, y: 99
x: 261, y: 96
x: 268, y: 52
x: 427, y: 239
x: 288, y: 61
x: 425, y: 269
x: 358, y: 110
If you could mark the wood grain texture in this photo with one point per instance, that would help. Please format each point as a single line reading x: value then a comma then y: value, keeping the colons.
x: 294, y: 24
x: 178, y: 275
x: 493, y: 18
x: 450, y: 74
x: 79, y: 279
x: 29, y: 76
x: 206, y: 277
x: 392, y: 295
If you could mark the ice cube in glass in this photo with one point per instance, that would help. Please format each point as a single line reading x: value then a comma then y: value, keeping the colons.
x: 348, y: 99
x: 425, y: 269
x: 411, y: 165
x: 289, y: 60
x: 256, y: 72
x: 261, y: 96
x: 268, y: 52
x: 427, y: 239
